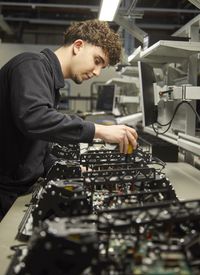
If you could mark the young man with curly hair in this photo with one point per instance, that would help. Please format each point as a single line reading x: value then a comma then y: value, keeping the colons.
x: 29, y: 93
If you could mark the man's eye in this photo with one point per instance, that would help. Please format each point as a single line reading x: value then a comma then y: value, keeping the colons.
x: 97, y: 61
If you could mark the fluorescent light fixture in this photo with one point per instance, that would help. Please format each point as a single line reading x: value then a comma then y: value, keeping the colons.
x: 108, y: 9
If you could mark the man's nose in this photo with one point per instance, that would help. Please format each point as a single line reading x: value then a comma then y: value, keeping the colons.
x: 97, y: 71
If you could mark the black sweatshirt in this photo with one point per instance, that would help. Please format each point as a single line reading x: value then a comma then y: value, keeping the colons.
x: 29, y: 93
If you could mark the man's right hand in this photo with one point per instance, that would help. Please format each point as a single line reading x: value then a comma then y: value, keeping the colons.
x: 120, y: 134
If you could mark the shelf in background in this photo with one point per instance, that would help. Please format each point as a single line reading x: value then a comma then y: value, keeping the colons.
x: 166, y: 51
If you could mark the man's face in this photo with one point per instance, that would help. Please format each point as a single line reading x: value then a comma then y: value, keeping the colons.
x: 88, y: 61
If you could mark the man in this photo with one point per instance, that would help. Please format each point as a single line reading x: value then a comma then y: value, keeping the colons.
x: 29, y: 93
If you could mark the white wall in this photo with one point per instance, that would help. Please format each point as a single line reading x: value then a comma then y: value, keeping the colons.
x: 7, y: 51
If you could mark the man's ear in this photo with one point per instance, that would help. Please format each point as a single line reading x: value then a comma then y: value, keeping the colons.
x: 77, y: 46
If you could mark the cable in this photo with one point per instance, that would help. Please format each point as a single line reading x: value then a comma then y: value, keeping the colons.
x: 160, y: 133
x: 197, y: 115
x: 170, y: 121
x: 175, y: 111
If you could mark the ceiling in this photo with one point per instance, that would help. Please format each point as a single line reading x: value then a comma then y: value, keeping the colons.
x: 44, y: 21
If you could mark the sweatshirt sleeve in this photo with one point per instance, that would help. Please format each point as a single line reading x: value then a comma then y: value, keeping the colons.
x: 32, y: 106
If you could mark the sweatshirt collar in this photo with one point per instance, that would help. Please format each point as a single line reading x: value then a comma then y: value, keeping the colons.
x: 56, y: 68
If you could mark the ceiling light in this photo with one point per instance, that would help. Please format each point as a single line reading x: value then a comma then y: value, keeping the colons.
x: 108, y: 9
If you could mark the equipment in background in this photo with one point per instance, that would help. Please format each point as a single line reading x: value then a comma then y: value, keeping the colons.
x: 158, y: 147
x: 147, y: 78
x: 105, y: 98
x: 103, y: 106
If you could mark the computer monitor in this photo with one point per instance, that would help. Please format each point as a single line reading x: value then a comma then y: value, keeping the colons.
x: 147, y: 78
x: 105, y: 98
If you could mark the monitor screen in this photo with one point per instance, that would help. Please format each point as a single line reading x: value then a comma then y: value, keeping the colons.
x: 105, y: 98
x: 147, y: 78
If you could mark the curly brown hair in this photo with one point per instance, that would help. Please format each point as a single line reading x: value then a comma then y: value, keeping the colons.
x: 97, y: 33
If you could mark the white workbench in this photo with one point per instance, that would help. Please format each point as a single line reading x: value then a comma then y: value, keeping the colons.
x: 8, y: 231
x: 185, y: 179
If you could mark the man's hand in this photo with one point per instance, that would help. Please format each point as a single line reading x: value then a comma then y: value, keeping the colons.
x: 121, y: 134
